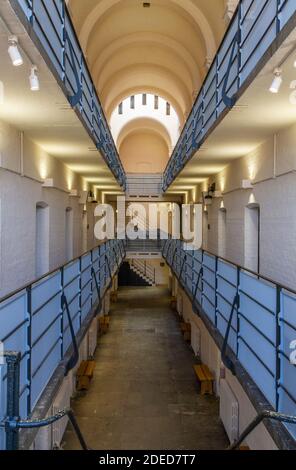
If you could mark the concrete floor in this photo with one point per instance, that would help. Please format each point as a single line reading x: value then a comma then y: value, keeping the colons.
x: 144, y: 394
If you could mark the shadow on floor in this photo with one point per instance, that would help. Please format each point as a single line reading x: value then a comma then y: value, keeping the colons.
x: 144, y: 394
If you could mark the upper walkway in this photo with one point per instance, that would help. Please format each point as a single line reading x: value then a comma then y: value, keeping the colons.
x: 256, y: 31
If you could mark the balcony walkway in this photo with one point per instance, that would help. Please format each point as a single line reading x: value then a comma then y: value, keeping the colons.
x: 144, y: 393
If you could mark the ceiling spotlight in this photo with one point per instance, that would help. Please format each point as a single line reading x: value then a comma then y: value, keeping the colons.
x: 34, y: 80
x: 14, y: 52
x: 276, y: 82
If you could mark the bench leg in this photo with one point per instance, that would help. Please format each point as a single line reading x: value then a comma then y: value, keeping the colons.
x: 207, y: 387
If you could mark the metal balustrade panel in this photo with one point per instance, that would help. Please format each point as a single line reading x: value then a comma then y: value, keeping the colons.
x: 47, y: 23
x: 3, y: 403
x: 34, y: 323
x: 287, y: 388
x: 26, y: 6
x: 209, y: 287
x: 196, y: 270
x: 14, y: 321
x: 227, y: 285
x: 253, y: 29
x: 258, y: 325
x: 45, y: 348
x: 86, y: 285
x: 50, y: 21
x: 262, y: 328
x: 286, y: 11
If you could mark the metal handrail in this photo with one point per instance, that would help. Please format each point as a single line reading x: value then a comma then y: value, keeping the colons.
x: 218, y: 320
x: 280, y: 417
x: 229, y: 43
x: 12, y: 423
x: 79, y: 67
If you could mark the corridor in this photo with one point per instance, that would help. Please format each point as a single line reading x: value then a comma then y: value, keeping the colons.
x: 144, y: 394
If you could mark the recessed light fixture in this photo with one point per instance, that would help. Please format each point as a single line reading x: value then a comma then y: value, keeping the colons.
x: 34, y: 80
x: 14, y: 52
x: 146, y: 4
x: 276, y: 82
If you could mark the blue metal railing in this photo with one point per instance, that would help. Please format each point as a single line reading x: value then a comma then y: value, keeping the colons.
x: 255, y: 27
x: 37, y: 322
x: 49, y: 24
x: 256, y: 316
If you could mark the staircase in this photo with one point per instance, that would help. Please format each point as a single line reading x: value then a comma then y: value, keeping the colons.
x: 144, y: 185
x: 144, y: 270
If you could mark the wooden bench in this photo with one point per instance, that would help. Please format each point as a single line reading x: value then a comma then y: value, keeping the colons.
x: 173, y: 303
x: 104, y: 323
x: 186, y: 330
x: 205, y: 378
x: 113, y: 297
x: 85, y: 374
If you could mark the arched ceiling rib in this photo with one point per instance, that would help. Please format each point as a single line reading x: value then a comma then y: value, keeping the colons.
x: 144, y: 124
x: 156, y: 76
x: 161, y: 50
x: 178, y: 35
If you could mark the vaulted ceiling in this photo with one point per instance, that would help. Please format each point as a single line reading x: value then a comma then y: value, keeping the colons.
x: 163, y: 49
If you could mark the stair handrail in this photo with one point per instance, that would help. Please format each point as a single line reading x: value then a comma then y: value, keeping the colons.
x: 75, y: 356
x: 199, y: 277
x: 266, y: 414
x: 225, y: 359
x: 100, y: 304
x: 12, y: 423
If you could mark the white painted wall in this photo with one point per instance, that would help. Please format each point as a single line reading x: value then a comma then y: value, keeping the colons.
x: 271, y: 167
x: 21, y: 189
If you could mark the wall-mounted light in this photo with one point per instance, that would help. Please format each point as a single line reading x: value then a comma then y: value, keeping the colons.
x: 276, y: 82
x: 74, y: 193
x: 34, y: 80
x: 252, y: 204
x: 222, y: 207
x: 14, y: 52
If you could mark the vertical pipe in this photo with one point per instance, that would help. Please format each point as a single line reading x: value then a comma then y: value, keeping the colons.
x: 13, y: 392
x: 278, y: 344
x: 62, y: 314
x: 237, y: 306
x: 29, y: 346
x: 22, y: 173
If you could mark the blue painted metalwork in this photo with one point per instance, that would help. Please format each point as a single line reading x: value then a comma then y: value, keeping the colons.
x: 12, y: 422
x: 254, y: 316
x: 49, y: 24
x: 254, y: 28
x: 38, y: 323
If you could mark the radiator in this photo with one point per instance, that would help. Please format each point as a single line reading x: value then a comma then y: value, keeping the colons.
x: 61, y: 401
x: 195, y: 339
x: 229, y: 410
